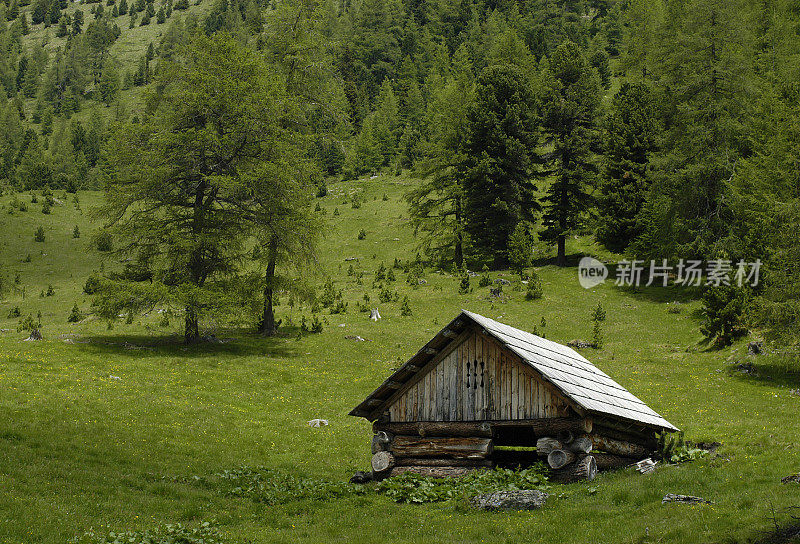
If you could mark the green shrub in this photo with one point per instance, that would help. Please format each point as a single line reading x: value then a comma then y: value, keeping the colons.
x: 386, y: 295
x: 597, y: 335
x: 14, y: 312
x: 92, y: 285
x: 599, y: 314
x: 723, y: 312
x: 362, y: 234
x: 380, y: 273
x: 104, y: 241
x: 50, y: 291
x: 339, y: 308
x: 672, y: 448
x: 463, y: 287
x: 75, y: 315
x: 485, y: 280
x: 169, y: 534
x: 76, y: 232
x: 412, y: 488
x: 268, y: 486
x: 314, y: 327
x: 27, y: 324
x: 405, y: 308
x: 38, y: 236
x: 535, y: 290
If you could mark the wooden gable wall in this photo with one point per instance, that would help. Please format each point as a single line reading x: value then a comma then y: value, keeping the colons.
x: 474, y: 379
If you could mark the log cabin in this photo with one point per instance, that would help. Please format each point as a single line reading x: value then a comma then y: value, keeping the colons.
x: 481, y: 393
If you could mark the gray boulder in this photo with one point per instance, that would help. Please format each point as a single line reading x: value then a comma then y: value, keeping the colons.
x: 525, y: 499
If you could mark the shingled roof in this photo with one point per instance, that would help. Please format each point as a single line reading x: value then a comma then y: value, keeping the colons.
x: 589, y: 388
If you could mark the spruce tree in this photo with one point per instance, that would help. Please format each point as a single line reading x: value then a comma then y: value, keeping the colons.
x: 501, y: 139
x: 571, y: 100
x: 437, y: 203
x: 630, y: 137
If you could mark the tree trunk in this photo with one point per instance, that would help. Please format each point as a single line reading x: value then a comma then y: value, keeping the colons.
x: 584, y: 469
x: 435, y: 428
x: 268, y: 327
x: 435, y: 472
x: 191, y: 332
x: 607, y: 461
x: 382, y: 461
x: 458, y: 448
x: 560, y: 458
x: 619, y: 447
x: 561, y: 258
x: 459, y: 246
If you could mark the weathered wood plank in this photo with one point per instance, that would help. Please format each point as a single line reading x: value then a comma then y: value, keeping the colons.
x: 459, y: 448
x: 434, y: 462
x: 480, y: 429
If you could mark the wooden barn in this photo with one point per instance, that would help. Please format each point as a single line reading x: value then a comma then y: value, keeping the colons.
x: 479, y: 387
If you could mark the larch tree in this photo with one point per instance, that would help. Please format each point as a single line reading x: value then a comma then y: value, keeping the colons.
x: 437, y: 203
x: 296, y: 46
x: 704, y: 74
x: 175, y: 182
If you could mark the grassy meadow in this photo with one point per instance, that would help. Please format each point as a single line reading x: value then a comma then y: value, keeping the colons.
x: 125, y: 428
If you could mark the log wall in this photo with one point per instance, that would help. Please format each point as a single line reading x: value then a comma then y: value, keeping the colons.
x: 477, y: 380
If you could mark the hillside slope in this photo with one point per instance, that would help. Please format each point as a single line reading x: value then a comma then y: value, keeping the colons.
x: 125, y: 428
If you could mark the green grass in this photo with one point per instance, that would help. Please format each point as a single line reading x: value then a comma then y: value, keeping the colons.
x: 107, y: 428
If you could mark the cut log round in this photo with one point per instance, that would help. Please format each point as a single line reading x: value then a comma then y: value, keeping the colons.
x: 565, y: 437
x: 480, y: 429
x: 560, y: 458
x: 382, y: 461
x: 435, y: 472
x: 618, y: 447
x: 457, y: 448
x: 434, y: 462
x: 584, y: 469
x: 580, y: 445
x: 380, y: 441
x: 545, y: 445
x: 607, y: 461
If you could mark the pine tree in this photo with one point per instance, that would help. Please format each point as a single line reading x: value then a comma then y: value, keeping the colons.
x: 160, y: 16
x: 123, y: 7
x: 570, y: 109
